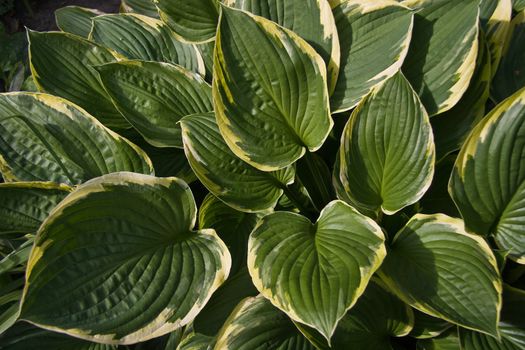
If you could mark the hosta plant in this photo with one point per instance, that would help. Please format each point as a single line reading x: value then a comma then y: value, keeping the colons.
x: 268, y: 174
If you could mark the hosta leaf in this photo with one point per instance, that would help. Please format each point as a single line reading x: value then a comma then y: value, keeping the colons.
x: 440, y: 61
x: 145, y: 38
x: 446, y: 341
x: 257, y: 324
x: 62, y: 64
x: 76, y: 19
x: 387, y: 149
x: 377, y: 316
x: 195, y: 341
x: 154, y: 96
x: 518, y: 5
x: 134, y: 270
x: 192, y: 20
x: 488, y: 181
x: 315, y: 272
x: 511, y: 326
x: 495, y: 16
x: 206, y: 51
x: 510, y: 76
x: 439, y: 269
x: 25, y: 205
x: 46, y: 138
x: 270, y: 98
x: 312, y: 20
x: 230, y: 179
x: 143, y: 7
x: 374, y: 37
x: 426, y: 326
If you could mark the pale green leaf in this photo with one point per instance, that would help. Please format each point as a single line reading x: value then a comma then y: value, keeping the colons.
x: 518, y: 5
x: 75, y: 19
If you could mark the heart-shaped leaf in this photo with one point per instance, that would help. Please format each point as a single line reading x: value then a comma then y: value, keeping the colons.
x: 443, y: 50
x: 270, y: 98
x: 315, y: 272
x: 75, y: 19
x: 62, y: 65
x: 374, y: 37
x: 144, y: 38
x: 154, y: 96
x: 387, y: 149
x: 118, y: 261
x: 230, y: 179
x: 46, y: 138
x: 488, y: 180
x: 439, y: 269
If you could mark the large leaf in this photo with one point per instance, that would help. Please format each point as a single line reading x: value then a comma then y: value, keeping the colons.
x: 511, y: 326
x: 75, y: 19
x: 46, y: 138
x: 226, y: 176
x: 440, y: 61
x: 145, y: 38
x: 133, y: 270
x: 510, y: 76
x: 143, y: 7
x: 154, y: 96
x: 25, y: 205
x: 256, y: 324
x: 192, y: 20
x: 387, y: 149
x: 439, y: 269
x: 488, y: 181
x: 62, y: 65
x: 315, y: 272
x: 375, y: 37
x: 377, y: 316
x: 270, y: 97
x: 312, y: 20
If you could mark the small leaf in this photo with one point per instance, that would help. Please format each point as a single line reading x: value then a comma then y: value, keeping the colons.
x: 134, y: 270
x: 488, y: 180
x: 75, y: 19
x: 315, y: 272
x: 46, y: 138
x: 271, y: 98
x: 439, y: 269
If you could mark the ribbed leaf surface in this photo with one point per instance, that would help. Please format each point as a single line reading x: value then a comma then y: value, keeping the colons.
x: 75, y: 19
x: 143, y: 7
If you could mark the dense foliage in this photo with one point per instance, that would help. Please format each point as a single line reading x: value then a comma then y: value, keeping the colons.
x: 267, y: 174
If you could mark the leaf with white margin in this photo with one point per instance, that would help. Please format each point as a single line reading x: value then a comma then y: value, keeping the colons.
x: 446, y: 341
x: 488, y: 180
x: 426, y: 326
x: 143, y: 7
x: 312, y: 20
x: 387, y: 149
x: 257, y: 324
x: 315, y: 272
x: 144, y: 38
x: 118, y: 261
x: 442, y: 54
x: 438, y: 268
x: 230, y: 179
x: 154, y: 96
x: 270, y: 97
x: 47, y: 138
x: 62, y: 65
x: 75, y: 19
x: 374, y: 37
x: 25, y: 205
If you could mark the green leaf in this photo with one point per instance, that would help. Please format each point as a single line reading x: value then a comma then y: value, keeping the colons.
x: 195, y: 341
x: 315, y: 272
x: 426, y: 326
x: 387, y: 149
x: 446, y: 341
x: 488, y: 180
x: 62, y: 65
x: 511, y: 326
x: 192, y: 20
x: 145, y: 38
x: 439, y: 269
x: 312, y: 20
x: 443, y: 50
x: 206, y: 51
x: 510, y: 76
x: 256, y: 324
x: 377, y: 316
x: 134, y: 270
x: 154, y: 96
x: 46, y: 138
x: 233, y: 181
x: 374, y: 37
x: 25, y: 205
x: 270, y: 98
x: 75, y: 19
x: 18, y: 257
x: 143, y: 7
x: 518, y: 5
